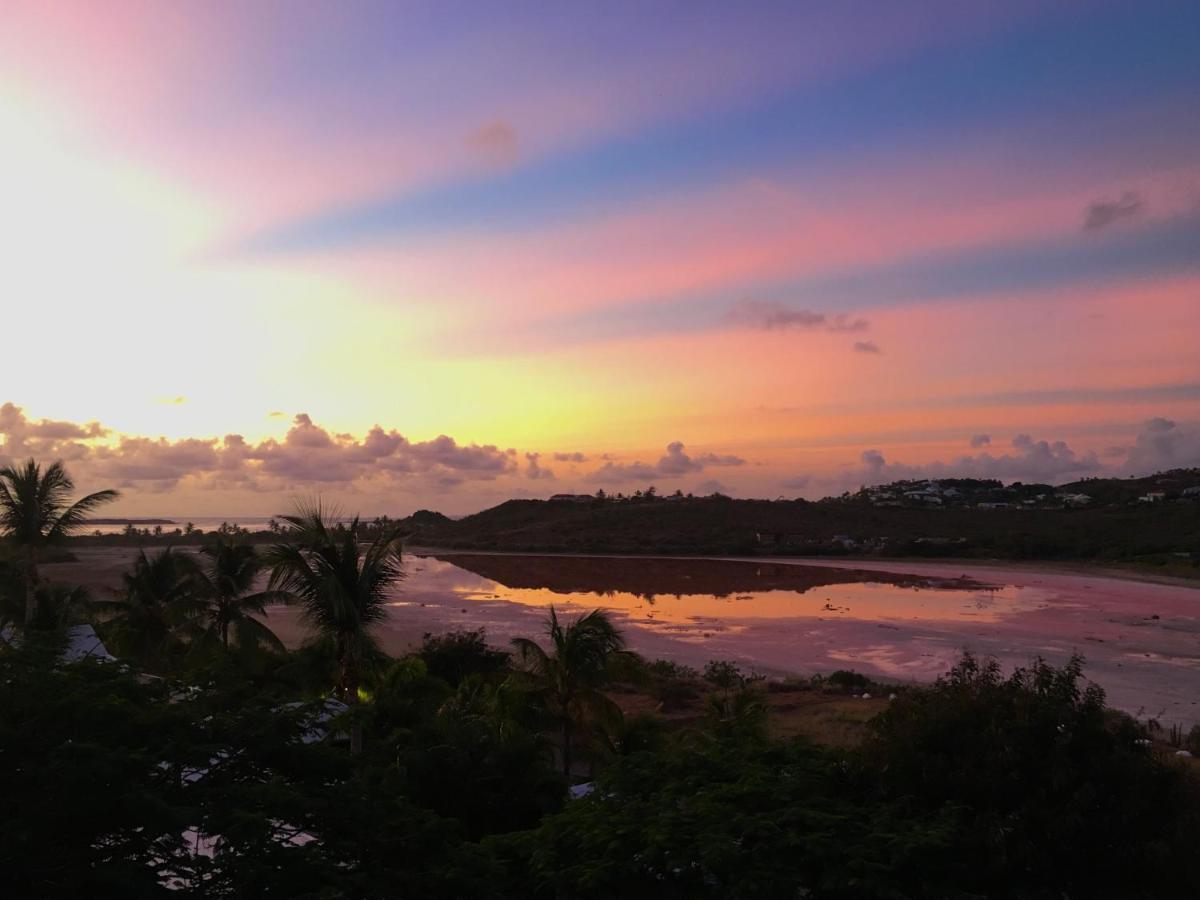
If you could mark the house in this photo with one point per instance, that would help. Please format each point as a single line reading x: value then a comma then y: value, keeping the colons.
x: 572, y: 498
x: 1192, y: 493
x: 1153, y: 497
x: 83, y: 643
x: 1075, y: 499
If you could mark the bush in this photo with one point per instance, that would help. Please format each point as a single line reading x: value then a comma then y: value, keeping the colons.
x: 849, y: 679
x: 729, y: 819
x: 1051, y: 797
x: 725, y: 674
x: 455, y: 655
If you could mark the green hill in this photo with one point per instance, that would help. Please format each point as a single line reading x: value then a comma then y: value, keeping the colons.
x: 1013, y: 522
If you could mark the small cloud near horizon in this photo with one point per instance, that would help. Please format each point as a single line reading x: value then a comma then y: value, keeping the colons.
x: 534, y: 470
x: 866, y: 347
x: 571, y: 457
x: 980, y: 440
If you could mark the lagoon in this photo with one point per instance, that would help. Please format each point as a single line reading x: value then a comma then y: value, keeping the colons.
x: 902, y: 620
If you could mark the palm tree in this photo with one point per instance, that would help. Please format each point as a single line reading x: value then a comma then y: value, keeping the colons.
x: 342, y: 587
x: 162, y: 594
x: 570, y: 674
x: 35, y: 510
x: 226, y: 586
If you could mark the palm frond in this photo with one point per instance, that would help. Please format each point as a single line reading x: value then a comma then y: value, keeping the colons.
x: 75, y: 516
x: 531, y: 654
x: 35, y: 506
x: 253, y: 633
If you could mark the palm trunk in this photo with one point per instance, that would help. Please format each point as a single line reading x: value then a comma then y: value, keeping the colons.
x: 349, y: 686
x: 31, y: 582
x: 566, y: 748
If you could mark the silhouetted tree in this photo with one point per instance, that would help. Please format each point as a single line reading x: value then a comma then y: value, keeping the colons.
x: 35, y: 510
x: 342, y: 587
x: 226, y: 582
x: 569, y: 675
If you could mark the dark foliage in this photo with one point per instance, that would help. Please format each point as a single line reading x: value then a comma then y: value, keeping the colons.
x: 458, y: 654
x: 1020, y: 787
x: 1051, y: 797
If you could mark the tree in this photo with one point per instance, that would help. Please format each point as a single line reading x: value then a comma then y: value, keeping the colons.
x: 342, y: 588
x: 569, y: 676
x: 226, y: 582
x: 162, y: 593
x: 35, y: 511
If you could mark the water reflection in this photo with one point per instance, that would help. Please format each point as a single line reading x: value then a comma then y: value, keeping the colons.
x: 712, y: 593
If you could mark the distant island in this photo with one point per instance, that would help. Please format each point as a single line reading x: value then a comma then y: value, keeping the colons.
x: 132, y: 522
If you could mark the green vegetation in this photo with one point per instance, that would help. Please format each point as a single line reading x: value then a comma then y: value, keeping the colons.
x: 342, y: 587
x: 209, y: 762
x: 567, y: 677
x: 36, y: 512
x: 982, y: 786
x: 148, y: 621
x: 1012, y: 523
x: 231, y: 603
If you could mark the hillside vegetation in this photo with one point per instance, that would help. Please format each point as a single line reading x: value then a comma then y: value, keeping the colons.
x: 1115, y: 526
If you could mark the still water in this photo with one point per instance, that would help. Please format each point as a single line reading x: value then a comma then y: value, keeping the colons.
x: 680, y: 592
x: 903, y: 620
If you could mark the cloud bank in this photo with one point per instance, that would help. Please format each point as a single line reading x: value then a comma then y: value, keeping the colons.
x: 386, y: 467
x: 311, y: 458
x: 308, y: 456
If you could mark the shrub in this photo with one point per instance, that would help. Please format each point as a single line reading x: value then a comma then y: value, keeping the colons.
x: 849, y: 679
x: 723, y: 674
x: 455, y: 655
x: 1052, y: 797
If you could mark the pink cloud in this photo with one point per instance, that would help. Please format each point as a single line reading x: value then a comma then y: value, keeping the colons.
x: 674, y: 464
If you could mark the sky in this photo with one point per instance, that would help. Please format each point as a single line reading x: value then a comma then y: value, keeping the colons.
x: 436, y: 255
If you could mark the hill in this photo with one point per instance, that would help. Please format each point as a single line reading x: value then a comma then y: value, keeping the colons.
x: 1151, y: 520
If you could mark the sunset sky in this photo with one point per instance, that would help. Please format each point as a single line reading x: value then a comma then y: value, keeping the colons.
x: 438, y: 255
